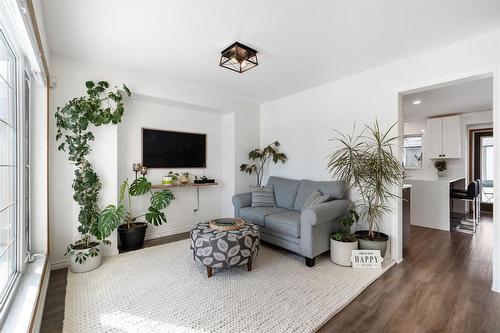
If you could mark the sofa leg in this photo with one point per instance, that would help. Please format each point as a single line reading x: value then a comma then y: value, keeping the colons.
x: 310, y: 262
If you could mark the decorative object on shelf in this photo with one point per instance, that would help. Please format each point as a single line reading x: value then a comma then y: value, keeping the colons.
x: 184, y: 178
x: 144, y: 171
x: 238, y: 57
x: 343, y: 241
x: 227, y: 223
x: 440, y: 167
x: 136, y: 167
x: 203, y: 180
x: 131, y: 231
x: 101, y: 106
x: 264, y: 156
x: 174, y: 175
x: 366, y: 259
x: 218, y: 249
x: 366, y: 163
x: 166, y: 180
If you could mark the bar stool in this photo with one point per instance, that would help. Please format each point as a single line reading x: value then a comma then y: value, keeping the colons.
x: 469, y: 195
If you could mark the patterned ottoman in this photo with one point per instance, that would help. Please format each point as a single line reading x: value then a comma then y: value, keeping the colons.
x: 214, y: 248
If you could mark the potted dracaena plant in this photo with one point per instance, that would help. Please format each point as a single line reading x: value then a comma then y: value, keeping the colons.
x: 101, y: 106
x: 366, y: 163
x: 263, y: 157
x: 343, y: 241
x: 130, y: 229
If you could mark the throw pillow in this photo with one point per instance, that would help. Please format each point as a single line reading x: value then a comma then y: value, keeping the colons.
x: 263, y: 196
x: 315, y: 199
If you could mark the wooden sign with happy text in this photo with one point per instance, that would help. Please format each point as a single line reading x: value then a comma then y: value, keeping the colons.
x: 366, y: 259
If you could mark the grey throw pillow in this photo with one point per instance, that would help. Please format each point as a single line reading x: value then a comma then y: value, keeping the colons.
x: 314, y: 199
x: 263, y: 196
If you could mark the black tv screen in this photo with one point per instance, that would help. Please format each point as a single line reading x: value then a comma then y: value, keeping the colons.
x: 166, y: 149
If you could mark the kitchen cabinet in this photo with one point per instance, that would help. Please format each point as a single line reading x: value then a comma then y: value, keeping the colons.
x: 444, y: 137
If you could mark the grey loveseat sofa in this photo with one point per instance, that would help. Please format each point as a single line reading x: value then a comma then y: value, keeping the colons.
x: 307, y: 232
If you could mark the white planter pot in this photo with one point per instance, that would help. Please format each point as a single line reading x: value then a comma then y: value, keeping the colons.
x: 340, y: 252
x: 89, y: 264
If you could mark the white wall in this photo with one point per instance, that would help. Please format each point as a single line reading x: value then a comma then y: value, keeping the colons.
x: 456, y: 167
x: 180, y: 214
x: 239, y: 123
x: 303, y: 122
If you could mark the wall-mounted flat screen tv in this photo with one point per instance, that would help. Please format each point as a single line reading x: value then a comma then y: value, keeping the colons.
x: 167, y: 149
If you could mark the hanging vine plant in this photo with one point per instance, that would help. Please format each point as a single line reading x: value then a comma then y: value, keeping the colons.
x: 101, y: 106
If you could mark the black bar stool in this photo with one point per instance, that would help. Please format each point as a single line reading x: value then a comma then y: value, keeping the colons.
x: 469, y: 195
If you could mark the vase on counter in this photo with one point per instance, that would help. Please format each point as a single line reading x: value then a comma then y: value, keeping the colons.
x: 442, y: 173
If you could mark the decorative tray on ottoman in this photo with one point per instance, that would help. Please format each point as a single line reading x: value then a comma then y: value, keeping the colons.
x: 227, y: 224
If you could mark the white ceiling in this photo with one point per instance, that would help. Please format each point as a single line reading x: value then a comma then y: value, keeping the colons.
x: 301, y: 44
x: 461, y: 97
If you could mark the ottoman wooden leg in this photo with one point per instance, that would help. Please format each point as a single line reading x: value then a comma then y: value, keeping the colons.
x: 209, y: 271
x: 249, y: 265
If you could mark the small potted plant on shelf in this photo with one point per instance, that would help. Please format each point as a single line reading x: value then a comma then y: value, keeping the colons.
x: 170, y: 179
x: 130, y: 229
x: 366, y: 163
x: 440, y: 167
x: 184, y: 178
x: 343, y: 241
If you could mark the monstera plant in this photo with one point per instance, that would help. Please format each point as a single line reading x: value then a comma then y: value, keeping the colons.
x: 130, y: 229
x: 74, y: 121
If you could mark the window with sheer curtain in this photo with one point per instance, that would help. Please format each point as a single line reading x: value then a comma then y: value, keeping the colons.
x: 8, y: 168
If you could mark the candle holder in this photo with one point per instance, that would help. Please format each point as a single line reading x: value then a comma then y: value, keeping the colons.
x: 144, y: 171
x: 136, y: 167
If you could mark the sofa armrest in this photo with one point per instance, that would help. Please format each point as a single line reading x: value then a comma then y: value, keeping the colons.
x: 318, y: 223
x: 326, y: 212
x: 241, y: 200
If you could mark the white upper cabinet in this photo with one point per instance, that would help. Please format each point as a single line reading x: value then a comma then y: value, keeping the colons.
x: 444, y: 137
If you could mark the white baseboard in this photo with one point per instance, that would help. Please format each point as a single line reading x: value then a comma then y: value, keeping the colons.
x: 169, y: 232
x: 59, y: 264
x: 174, y: 231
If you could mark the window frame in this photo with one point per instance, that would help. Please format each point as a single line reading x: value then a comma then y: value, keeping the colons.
x: 21, y: 68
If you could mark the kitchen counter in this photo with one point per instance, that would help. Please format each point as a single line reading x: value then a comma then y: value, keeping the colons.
x: 430, y: 204
x: 440, y: 179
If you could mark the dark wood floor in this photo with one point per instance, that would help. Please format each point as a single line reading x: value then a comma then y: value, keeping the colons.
x: 443, y: 285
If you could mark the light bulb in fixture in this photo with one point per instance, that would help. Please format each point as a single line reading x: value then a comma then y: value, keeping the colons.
x: 417, y: 102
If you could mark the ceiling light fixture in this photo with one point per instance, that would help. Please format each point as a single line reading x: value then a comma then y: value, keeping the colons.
x: 417, y: 102
x: 238, y: 57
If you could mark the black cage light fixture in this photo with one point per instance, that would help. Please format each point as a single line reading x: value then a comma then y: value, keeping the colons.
x: 238, y: 57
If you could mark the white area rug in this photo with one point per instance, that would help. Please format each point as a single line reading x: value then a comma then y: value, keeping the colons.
x: 161, y: 289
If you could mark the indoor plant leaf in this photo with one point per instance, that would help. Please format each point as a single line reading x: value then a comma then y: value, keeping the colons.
x: 160, y: 200
x: 110, y: 218
x: 139, y: 186
x: 156, y: 217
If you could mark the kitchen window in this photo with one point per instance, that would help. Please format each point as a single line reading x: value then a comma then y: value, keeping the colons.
x: 412, y: 152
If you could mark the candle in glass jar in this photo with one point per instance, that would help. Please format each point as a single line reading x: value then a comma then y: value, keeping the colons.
x: 136, y: 166
x: 144, y: 171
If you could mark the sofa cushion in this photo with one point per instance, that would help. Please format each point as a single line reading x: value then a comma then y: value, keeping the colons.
x: 285, y: 191
x: 315, y: 199
x: 262, y: 196
x: 287, y: 223
x: 335, y: 189
x: 257, y: 214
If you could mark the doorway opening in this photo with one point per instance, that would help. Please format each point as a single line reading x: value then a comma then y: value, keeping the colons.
x: 481, y: 164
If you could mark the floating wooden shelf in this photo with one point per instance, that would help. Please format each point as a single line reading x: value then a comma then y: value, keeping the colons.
x: 162, y: 186
x: 197, y: 186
